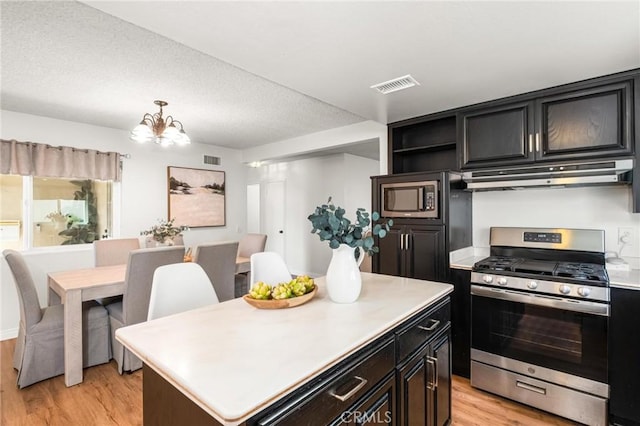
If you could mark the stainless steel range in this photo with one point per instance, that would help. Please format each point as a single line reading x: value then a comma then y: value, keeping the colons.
x: 540, y: 308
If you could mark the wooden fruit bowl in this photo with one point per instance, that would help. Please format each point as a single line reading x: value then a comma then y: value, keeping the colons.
x: 281, y: 303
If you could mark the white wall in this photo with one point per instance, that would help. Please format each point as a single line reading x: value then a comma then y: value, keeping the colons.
x: 309, y: 183
x: 604, y: 207
x: 143, y: 193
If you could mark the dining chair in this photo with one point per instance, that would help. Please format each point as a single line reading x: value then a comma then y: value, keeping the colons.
x: 249, y: 244
x: 179, y: 287
x: 219, y: 262
x: 268, y: 267
x: 39, y: 350
x: 134, y: 306
x: 113, y: 251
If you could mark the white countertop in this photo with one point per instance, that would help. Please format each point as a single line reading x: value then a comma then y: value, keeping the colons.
x: 467, y: 257
x: 234, y: 360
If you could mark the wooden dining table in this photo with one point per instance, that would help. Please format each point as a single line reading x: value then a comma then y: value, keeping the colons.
x: 78, y: 285
x: 74, y: 287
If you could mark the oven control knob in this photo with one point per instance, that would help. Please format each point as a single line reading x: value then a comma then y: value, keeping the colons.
x: 584, y: 291
x: 487, y: 279
x: 565, y: 289
x: 502, y: 281
x: 532, y: 285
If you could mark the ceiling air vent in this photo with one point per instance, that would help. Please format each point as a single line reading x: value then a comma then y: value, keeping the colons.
x: 396, y: 84
x: 210, y: 159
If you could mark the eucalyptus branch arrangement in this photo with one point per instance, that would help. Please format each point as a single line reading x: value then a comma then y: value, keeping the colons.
x: 329, y: 222
x: 164, y: 230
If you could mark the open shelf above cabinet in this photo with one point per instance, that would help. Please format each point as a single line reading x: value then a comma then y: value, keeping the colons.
x: 423, y: 144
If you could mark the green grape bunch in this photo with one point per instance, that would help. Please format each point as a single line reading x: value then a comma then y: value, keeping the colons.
x: 260, y: 291
x: 298, y: 286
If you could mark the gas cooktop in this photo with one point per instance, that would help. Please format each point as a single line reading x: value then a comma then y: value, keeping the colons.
x: 577, y: 272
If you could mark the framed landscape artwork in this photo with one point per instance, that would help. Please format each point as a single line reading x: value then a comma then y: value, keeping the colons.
x: 196, y: 197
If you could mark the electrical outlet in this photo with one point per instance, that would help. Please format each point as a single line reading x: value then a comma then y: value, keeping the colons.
x: 628, y: 237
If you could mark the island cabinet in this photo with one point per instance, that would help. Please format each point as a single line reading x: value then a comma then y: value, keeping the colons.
x: 403, y: 379
x: 320, y: 363
x: 587, y: 120
x: 424, y: 370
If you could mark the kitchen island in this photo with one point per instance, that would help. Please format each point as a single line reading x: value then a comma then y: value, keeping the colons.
x: 235, y: 364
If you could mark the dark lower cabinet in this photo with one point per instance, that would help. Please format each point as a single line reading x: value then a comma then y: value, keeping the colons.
x: 624, y: 357
x: 424, y: 369
x: 414, y: 252
x: 425, y: 384
x: 461, y: 322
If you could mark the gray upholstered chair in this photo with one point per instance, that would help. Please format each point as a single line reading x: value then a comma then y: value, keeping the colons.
x: 249, y: 244
x: 219, y: 262
x: 134, y: 306
x: 111, y: 252
x: 39, y: 351
x: 114, y: 251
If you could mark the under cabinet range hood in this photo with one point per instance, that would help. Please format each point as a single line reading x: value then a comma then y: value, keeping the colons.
x: 569, y: 174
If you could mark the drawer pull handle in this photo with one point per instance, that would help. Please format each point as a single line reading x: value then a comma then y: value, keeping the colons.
x: 536, y: 389
x: 433, y: 326
x: 352, y: 392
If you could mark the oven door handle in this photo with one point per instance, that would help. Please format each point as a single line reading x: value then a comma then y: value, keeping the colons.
x: 584, y: 306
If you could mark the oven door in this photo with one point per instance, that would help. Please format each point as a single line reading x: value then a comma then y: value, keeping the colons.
x: 564, y: 335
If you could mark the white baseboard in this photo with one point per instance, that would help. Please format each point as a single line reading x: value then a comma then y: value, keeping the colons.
x: 10, y: 333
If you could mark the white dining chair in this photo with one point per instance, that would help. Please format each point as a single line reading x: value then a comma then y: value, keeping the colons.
x: 268, y: 267
x: 179, y: 287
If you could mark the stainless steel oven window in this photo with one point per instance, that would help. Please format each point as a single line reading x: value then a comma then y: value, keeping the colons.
x: 559, y: 339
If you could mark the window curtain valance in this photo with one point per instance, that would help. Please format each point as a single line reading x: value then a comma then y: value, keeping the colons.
x: 36, y: 159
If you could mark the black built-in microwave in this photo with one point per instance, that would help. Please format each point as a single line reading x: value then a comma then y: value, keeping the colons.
x: 410, y: 199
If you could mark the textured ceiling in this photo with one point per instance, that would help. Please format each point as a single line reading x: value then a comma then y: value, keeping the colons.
x: 71, y: 61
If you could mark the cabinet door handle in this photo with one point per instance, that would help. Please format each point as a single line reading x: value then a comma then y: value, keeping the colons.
x: 530, y: 142
x: 537, y: 142
x: 406, y: 244
x: 434, y: 324
x: 401, y: 241
x: 433, y: 364
x: 356, y: 388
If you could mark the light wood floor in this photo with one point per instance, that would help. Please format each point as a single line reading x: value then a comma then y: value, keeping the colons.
x: 106, y: 398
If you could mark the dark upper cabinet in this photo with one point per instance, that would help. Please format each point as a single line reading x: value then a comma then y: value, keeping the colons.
x: 589, y: 120
x: 498, y: 135
x: 593, y: 122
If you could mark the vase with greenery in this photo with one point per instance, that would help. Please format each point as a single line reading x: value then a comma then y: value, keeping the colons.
x: 349, y: 241
x: 165, y: 231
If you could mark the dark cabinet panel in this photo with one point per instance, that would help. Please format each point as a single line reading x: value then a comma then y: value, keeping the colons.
x: 498, y: 135
x: 424, y: 385
x: 461, y: 322
x: 580, y: 121
x: 423, y: 251
x: 391, y: 257
x: 624, y: 353
x: 585, y: 123
x: 412, y: 251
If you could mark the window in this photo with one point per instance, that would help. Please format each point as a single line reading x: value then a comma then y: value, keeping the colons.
x: 58, y: 211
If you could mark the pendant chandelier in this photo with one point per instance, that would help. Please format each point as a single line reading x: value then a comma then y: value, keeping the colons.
x: 163, y: 131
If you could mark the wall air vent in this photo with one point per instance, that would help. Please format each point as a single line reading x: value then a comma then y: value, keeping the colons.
x: 210, y: 159
x: 396, y: 84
